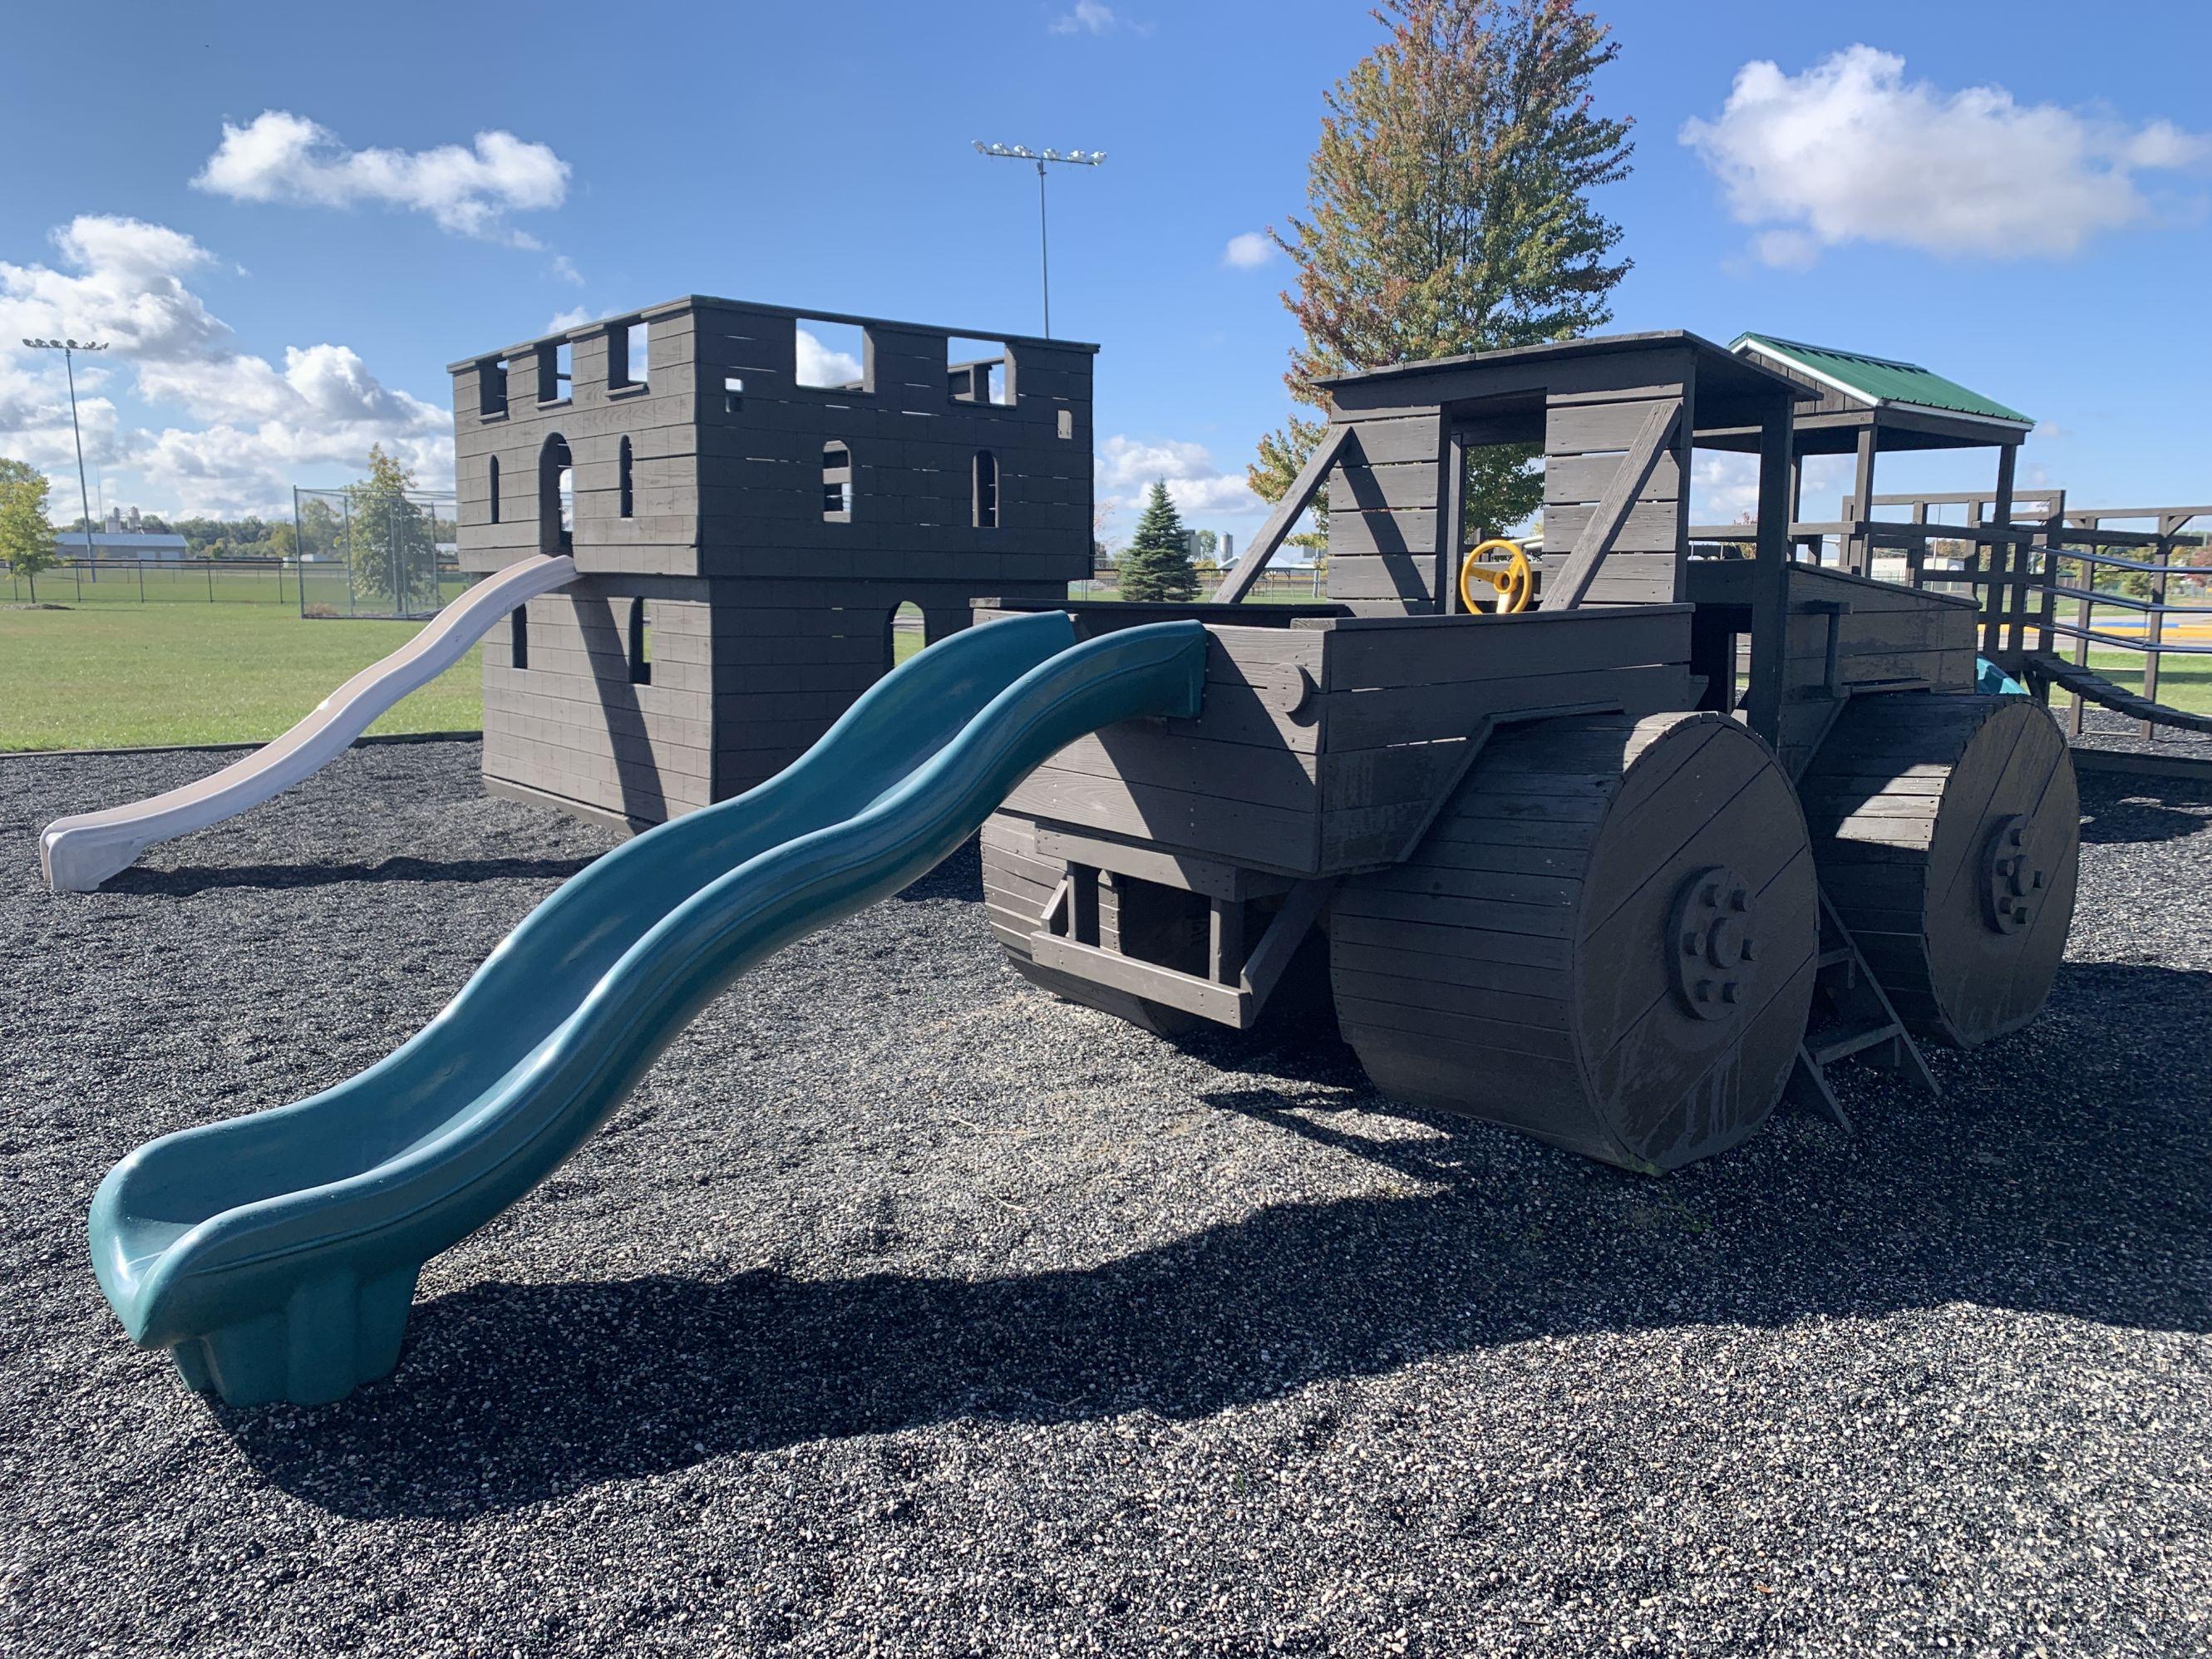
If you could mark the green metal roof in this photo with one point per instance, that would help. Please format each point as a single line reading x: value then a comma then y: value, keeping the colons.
x: 1882, y: 380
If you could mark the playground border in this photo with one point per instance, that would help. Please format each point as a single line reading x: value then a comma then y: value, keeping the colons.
x: 475, y: 736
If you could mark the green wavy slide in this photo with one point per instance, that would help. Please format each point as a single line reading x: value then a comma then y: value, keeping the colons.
x: 276, y: 1254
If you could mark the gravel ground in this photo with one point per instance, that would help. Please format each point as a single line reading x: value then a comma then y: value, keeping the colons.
x: 905, y: 1310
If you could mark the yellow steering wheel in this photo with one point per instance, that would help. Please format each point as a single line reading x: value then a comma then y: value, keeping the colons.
x: 1506, y: 587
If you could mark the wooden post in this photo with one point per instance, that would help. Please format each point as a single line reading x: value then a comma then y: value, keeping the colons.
x: 1769, y: 591
x: 2015, y: 554
x: 1856, y: 552
x: 1451, y: 510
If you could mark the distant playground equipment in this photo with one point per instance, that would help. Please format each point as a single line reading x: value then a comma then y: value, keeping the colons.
x: 79, y: 852
x: 1591, y: 869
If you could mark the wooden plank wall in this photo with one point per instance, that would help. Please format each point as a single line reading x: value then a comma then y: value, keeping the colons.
x: 661, y: 537
x: 1241, y: 781
x: 573, y: 725
x: 791, y: 657
x: 731, y: 486
x: 1585, y: 437
x: 1889, y: 633
x: 1382, y: 513
x: 1324, y: 747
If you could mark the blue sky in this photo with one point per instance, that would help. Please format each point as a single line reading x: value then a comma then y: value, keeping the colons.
x: 2021, y: 202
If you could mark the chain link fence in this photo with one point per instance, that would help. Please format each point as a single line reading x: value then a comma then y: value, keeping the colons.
x: 161, y: 581
x: 380, y: 553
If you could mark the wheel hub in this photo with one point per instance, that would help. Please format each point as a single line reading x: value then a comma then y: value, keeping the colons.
x: 2012, y: 879
x: 1713, y: 942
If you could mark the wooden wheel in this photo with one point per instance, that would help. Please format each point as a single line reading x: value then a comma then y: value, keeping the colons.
x: 1608, y: 937
x: 1948, y: 834
x: 1017, y: 885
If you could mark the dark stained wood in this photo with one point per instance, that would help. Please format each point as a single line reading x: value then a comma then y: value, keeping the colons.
x: 1516, y: 966
x: 1566, y: 589
x: 1903, y: 800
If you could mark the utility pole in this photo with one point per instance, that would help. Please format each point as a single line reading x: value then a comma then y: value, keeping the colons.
x: 69, y: 349
x: 1021, y: 153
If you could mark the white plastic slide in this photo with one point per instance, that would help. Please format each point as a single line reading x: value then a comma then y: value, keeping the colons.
x: 80, y: 853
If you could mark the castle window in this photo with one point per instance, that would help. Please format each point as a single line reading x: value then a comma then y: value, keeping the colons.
x: 557, y: 496
x: 554, y: 379
x: 641, y: 645
x: 629, y: 358
x: 491, y: 387
x: 987, y: 490
x: 979, y: 371
x: 837, y: 482
x: 492, y: 474
x: 830, y: 357
x: 622, y: 481
x: 518, y: 637
x: 906, y: 631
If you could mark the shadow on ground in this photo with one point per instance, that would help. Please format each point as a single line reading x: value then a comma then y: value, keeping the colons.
x: 2087, y: 1200
x: 2142, y: 811
x: 191, y: 879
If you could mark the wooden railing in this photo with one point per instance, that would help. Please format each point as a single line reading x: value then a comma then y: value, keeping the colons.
x: 2023, y: 570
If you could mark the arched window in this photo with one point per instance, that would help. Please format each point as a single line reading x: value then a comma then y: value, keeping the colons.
x: 494, y: 474
x: 837, y: 482
x: 906, y: 631
x: 622, y: 480
x: 987, y: 490
x: 557, y: 496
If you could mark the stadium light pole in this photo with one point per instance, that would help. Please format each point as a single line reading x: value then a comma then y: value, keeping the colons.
x: 69, y: 349
x: 1075, y: 158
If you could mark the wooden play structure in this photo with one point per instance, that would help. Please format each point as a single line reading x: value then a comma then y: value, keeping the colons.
x: 743, y: 533
x: 1617, y: 868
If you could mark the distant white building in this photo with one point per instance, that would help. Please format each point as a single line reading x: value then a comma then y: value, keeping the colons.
x: 121, y: 538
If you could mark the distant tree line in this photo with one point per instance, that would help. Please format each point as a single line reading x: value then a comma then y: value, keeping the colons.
x: 249, y: 538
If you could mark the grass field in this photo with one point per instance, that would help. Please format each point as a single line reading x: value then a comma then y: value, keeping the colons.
x: 2183, y: 682
x: 117, y: 676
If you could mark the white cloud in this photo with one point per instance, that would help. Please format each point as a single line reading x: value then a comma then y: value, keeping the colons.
x: 1851, y: 151
x: 1247, y: 250
x: 123, y: 280
x: 565, y: 269
x: 1724, y: 486
x: 1127, y: 467
x: 573, y: 317
x: 820, y: 366
x: 1089, y: 18
x: 279, y: 156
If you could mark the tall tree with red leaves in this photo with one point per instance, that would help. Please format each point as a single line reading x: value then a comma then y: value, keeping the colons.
x: 1450, y: 211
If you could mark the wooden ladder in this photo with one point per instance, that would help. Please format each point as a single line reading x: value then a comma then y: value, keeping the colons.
x: 1853, y: 1018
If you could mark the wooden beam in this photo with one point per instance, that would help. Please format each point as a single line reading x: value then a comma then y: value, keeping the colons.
x: 1451, y: 514
x: 1565, y: 591
x: 1769, y: 579
x: 1857, y: 554
x: 1295, y: 501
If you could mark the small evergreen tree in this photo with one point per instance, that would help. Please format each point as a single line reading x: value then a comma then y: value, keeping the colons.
x: 1157, y: 565
x: 27, y: 535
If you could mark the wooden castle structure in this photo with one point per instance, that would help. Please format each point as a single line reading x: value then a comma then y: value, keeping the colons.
x: 745, y: 537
